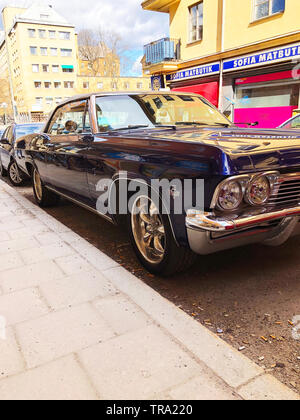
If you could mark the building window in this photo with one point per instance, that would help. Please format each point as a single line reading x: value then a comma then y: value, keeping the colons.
x: 65, y: 52
x: 42, y: 33
x: 64, y: 35
x: 55, y: 69
x: 58, y: 100
x: 68, y: 85
x: 86, y: 85
x: 265, y: 8
x: 57, y: 85
x: 100, y: 85
x: 52, y: 34
x: 114, y: 85
x: 126, y: 85
x: 53, y: 52
x: 39, y: 101
x: 49, y: 101
x: 38, y: 85
x: 196, y: 22
x: 35, y: 68
x: 47, y: 85
x: 31, y: 33
x: 44, y: 51
x: 139, y: 85
x: 33, y: 50
x: 46, y: 68
x: 67, y: 69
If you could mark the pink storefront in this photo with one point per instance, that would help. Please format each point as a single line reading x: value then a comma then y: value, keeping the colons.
x: 268, y: 99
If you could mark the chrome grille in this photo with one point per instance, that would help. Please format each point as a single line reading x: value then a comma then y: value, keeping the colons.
x: 286, y: 191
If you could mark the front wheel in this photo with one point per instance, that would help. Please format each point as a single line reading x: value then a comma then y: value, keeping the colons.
x: 43, y: 196
x: 15, y: 176
x: 153, y: 240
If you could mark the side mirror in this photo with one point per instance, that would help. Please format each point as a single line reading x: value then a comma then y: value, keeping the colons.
x: 4, y: 142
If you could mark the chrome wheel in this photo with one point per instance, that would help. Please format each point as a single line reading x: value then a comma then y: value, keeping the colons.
x: 148, y: 230
x: 37, y: 184
x: 14, y: 173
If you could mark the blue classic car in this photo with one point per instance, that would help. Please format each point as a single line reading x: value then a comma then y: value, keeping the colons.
x: 175, y: 171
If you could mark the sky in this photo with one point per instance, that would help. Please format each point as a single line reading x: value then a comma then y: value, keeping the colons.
x: 126, y: 17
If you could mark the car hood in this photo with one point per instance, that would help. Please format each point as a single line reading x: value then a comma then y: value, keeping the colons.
x: 247, y: 149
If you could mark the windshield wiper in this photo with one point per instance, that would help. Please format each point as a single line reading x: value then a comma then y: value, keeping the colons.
x: 190, y: 123
x: 129, y: 127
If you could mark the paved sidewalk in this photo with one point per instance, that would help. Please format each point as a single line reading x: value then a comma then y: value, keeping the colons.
x: 79, y: 326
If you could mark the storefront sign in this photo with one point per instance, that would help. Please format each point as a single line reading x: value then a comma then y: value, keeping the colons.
x: 195, y: 72
x: 266, y: 57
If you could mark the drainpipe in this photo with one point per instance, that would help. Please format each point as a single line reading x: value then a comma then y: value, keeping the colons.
x: 222, y: 50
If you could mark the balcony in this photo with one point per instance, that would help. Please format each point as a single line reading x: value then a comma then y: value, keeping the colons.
x: 163, y: 51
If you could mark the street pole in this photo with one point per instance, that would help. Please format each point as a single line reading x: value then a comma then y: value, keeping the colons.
x: 221, y: 61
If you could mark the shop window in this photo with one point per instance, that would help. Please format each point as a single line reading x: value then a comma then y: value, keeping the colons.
x: 265, y: 8
x: 196, y: 22
x: 266, y: 97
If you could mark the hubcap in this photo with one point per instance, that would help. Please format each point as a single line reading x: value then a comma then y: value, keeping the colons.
x: 148, y: 230
x: 15, y: 174
x: 38, y: 185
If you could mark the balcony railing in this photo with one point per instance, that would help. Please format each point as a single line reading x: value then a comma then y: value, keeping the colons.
x: 165, y: 49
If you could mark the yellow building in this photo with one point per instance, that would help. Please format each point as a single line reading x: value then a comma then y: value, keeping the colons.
x: 40, y: 64
x: 242, y: 55
x: 42, y: 58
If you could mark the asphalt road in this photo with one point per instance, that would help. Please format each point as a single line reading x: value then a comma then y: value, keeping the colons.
x: 243, y: 294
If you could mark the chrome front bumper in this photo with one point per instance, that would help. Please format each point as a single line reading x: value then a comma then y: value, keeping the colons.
x: 209, y: 233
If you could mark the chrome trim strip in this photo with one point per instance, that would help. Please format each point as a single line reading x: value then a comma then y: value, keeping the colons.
x: 85, y: 206
x: 211, y: 223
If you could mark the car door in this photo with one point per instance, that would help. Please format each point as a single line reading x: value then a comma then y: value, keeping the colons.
x: 6, y: 148
x: 69, y: 139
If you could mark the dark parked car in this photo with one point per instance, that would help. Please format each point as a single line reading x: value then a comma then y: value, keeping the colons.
x: 251, y: 177
x: 8, y: 165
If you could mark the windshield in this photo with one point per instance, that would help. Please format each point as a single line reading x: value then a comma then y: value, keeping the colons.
x: 137, y: 111
x: 294, y: 123
x: 24, y: 130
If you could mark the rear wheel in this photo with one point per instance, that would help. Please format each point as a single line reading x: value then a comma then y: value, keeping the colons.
x: 153, y: 240
x: 43, y: 196
x: 3, y: 172
x: 15, y: 175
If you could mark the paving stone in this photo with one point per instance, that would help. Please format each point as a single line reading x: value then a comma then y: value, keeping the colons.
x: 235, y: 369
x: 61, y: 333
x: 4, y: 236
x: 29, y: 276
x: 122, y: 314
x: 76, y: 289
x: 62, y: 379
x: 11, y: 361
x: 17, y: 245
x: 21, y: 306
x: 9, y: 261
x: 204, y: 387
x: 136, y: 365
x: 44, y: 253
x: 73, y: 264
x: 266, y: 387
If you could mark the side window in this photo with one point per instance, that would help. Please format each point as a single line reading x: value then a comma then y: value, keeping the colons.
x: 296, y: 122
x: 10, y: 135
x: 70, y: 119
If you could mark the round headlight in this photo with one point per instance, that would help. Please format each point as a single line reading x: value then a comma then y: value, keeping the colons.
x: 259, y: 191
x: 231, y: 196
